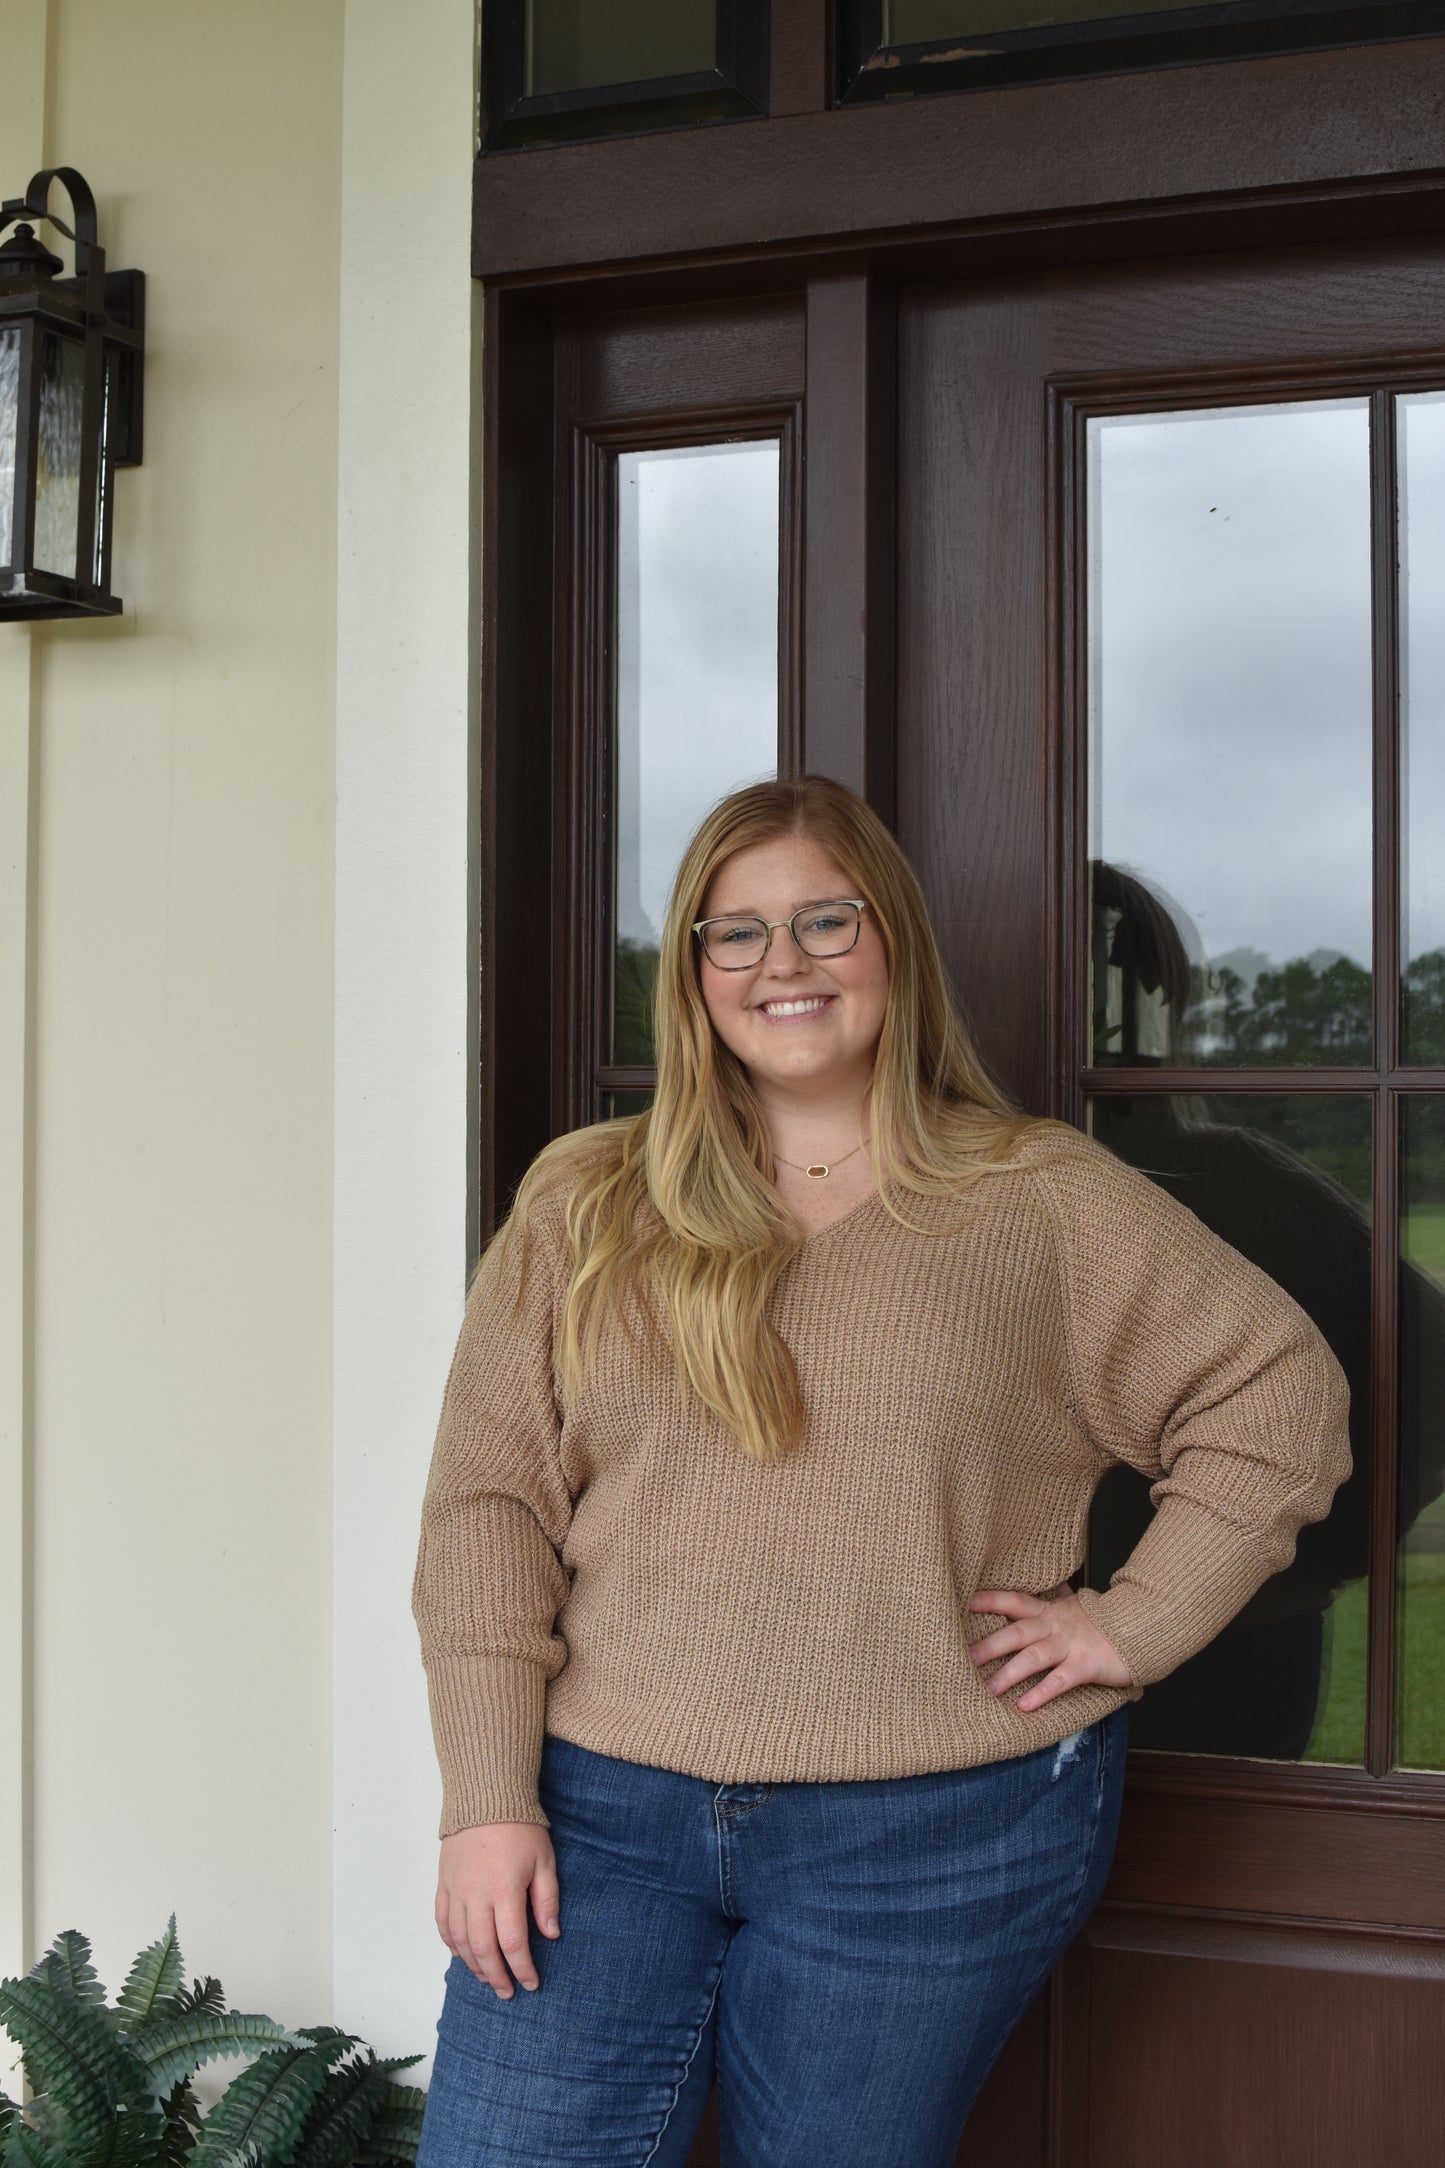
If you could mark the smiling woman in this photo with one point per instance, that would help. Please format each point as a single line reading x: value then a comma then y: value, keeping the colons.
x: 802, y: 1013
x: 760, y: 1484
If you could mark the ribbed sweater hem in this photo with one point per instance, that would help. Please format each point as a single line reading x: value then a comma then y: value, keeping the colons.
x: 794, y: 1748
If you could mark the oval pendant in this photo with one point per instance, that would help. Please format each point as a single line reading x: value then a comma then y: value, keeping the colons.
x: 815, y: 1174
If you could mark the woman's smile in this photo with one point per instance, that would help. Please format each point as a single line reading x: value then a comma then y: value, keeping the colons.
x: 795, y: 1008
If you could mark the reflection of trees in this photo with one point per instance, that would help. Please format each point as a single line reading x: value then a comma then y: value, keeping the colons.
x: 634, y: 975
x: 1296, y: 1016
x: 1311, y: 1012
x: 1422, y: 1020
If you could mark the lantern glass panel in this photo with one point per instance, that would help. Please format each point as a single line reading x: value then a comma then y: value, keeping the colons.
x: 57, y: 477
x: 9, y: 412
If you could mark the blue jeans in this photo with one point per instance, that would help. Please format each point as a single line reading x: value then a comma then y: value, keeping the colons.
x: 848, y: 1959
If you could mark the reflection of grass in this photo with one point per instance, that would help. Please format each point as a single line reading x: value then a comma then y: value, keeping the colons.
x: 1422, y: 1660
x: 1339, y: 1733
x: 1422, y: 1239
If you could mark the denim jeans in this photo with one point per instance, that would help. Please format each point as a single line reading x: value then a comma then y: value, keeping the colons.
x: 847, y: 1959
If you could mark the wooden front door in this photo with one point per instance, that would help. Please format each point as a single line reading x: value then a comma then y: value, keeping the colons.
x: 1120, y: 589
x: 1170, y: 713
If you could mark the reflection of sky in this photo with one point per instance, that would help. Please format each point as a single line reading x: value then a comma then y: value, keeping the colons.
x: 697, y: 652
x: 1422, y: 526
x: 1230, y: 689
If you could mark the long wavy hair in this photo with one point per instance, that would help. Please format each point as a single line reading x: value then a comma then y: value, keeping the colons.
x: 671, y: 1214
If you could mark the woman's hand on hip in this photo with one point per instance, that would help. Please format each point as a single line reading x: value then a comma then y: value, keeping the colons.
x: 1051, y: 1634
x: 487, y: 1873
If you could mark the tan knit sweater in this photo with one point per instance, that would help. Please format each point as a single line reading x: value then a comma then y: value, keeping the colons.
x: 619, y: 1572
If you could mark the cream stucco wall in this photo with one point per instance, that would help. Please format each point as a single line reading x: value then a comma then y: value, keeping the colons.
x: 236, y: 1034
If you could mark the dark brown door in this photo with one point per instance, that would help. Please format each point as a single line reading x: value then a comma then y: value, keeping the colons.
x: 1122, y: 589
x: 1171, y: 761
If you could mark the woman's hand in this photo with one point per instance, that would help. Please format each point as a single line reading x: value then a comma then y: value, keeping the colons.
x: 1053, y: 1634
x: 483, y: 1883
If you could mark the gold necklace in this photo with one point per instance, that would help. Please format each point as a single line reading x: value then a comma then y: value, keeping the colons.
x: 819, y: 1173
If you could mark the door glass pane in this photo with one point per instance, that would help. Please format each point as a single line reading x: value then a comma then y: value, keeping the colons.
x: 697, y: 678
x: 1422, y: 723
x: 1285, y: 1178
x: 592, y: 44
x: 1229, y: 735
x: 1420, y: 1684
x: 618, y: 1103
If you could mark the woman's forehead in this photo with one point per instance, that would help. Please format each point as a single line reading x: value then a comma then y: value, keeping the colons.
x: 782, y: 873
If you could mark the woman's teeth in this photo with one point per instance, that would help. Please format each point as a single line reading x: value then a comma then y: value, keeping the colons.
x: 795, y: 1008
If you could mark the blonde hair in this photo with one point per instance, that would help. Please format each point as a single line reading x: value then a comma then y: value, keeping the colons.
x: 677, y: 1203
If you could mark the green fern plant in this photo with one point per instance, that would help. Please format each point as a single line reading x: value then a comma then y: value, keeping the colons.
x: 112, y: 2086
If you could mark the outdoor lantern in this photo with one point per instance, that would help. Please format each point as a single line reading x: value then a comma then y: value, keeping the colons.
x: 70, y: 383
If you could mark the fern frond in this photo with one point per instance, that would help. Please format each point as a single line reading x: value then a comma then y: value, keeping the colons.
x: 134, y: 2138
x: 207, y: 1994
x: 344, y: 2114
x: 68, y: 2049
x: 25, y: 2148
x: 396, y: 2132
x: 182, y: 2112
x: 9, y: 2113
x: 45, y: 2116
x: 259, y: 2117
x: 154, y: 1982
x: 67, y: 1968
x: 175, y: 2046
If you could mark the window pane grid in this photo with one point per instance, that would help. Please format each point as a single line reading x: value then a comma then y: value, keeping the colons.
x: 1170, y: 1042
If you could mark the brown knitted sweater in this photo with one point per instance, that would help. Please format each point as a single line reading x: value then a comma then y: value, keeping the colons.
x: 616, y: 1570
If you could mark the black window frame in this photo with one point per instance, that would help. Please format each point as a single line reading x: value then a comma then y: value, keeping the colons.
x: 867, y: 69
x: 735, y: 89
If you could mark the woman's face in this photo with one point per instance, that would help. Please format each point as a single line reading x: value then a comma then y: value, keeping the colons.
x: 793, y: 1020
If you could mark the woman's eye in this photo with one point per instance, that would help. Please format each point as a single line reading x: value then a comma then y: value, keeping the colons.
x: 824, y: 922
x: 736, y: 935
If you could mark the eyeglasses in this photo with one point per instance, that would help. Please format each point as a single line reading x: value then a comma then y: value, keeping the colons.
x: 820, y: 929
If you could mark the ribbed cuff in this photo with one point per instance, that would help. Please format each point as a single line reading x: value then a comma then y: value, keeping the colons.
x: 487, y: 1721
x: 1111, y: 1618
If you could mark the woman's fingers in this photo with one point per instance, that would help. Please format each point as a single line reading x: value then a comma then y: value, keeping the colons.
x: 487, y: 1872
x: 1007, y: 1602
x: 1050, y: 1634
x: 511, y: 1925
x: 483, y: 1954
x: 1059, y: 1681
x: 546, y: 1909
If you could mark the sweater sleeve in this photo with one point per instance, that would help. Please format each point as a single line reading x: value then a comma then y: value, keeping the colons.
x: 1193, y: 1365
x: 489, y: 1577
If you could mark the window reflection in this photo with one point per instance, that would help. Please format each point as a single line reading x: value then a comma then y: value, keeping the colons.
x: 1420, y: 1655
x: 1422, y: 722
x: 1285, y: 1178
x: 1230, y: 732
x: 697, y: 678
x: 910, y: 22
x: 593, y: 44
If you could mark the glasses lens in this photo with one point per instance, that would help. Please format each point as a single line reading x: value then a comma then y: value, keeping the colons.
x: 827, y: 929
x: 735, y: 942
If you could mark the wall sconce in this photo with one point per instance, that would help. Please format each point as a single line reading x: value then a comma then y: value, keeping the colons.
x: 70, y: 406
